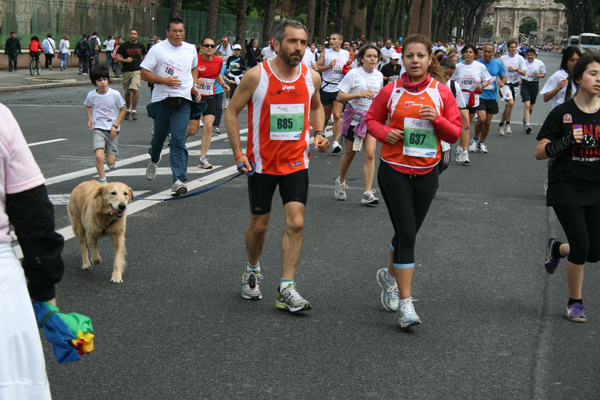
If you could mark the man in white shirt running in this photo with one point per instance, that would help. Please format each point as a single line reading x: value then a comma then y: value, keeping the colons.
x: 330, y: 64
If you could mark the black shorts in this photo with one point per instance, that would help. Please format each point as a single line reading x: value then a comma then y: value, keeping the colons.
x: 488, y: 105
x: 350, y: 135
x: 327, y: 98
x: 529, y: 91
x: 472, y: 110
x: 211, y: 105
x: 261, y: 187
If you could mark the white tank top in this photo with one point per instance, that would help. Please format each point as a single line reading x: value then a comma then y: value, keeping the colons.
x: 332, y: 76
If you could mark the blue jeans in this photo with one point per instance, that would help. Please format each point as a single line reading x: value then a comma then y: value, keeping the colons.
x: 108, y: 58
x: 12, y: 61
x: 63, y: 60
x: 176, y: 121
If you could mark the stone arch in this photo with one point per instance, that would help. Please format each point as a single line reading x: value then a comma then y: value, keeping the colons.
x: 528, y: 19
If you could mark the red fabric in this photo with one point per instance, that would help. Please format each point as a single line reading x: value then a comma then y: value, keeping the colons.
x: 447, y: 126
x: 35, y: 46
x: 209, y: 69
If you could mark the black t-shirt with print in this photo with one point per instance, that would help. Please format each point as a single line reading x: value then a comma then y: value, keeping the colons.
x: 574, y: 175
x: 135, y: 51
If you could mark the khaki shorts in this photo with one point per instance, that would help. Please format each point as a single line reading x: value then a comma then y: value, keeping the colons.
x: 132, y: 81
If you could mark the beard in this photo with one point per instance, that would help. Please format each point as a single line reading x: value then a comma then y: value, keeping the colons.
x: 287, y: 57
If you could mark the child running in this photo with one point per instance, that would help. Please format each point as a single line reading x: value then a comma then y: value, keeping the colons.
x: 571, y: 136
x: 105, y: 108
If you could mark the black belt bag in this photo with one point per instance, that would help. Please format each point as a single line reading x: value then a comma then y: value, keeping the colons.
x: 175, y: 102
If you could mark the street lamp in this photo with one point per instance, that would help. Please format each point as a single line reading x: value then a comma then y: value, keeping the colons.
x: 152, y: 4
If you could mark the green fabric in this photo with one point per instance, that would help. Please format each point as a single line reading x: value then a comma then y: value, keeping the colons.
x: 75, y: 322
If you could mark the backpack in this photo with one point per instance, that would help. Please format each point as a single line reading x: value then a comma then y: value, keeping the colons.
x: 82, y: 48
x: 96, y: 45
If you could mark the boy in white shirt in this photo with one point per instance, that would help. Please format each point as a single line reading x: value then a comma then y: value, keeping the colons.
x: 105, y: 108
x: 530, y: 85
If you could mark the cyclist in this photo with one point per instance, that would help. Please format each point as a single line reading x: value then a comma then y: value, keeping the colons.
x: 35, y: 47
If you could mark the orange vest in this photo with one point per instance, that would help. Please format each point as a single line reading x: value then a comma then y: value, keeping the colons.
x: 423, y: 148
x: 279, y: 122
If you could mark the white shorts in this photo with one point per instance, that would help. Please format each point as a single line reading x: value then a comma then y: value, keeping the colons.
x: 23, y: 372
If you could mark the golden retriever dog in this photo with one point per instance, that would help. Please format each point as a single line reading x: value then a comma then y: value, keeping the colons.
x: 98, y: 210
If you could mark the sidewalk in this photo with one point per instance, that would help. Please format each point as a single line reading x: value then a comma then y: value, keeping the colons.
x: 22, y: 79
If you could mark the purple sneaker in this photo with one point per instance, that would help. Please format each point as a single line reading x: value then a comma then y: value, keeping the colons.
x: 575, y: 312
x: 551, y: 262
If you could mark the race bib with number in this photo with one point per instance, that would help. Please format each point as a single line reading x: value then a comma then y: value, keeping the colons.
x: 208, y: 87
x: 287, y: 121
x: 337, y: 70
x: 419, y: 138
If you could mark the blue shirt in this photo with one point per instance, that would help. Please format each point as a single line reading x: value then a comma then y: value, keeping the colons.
x: 218, y: 87
x: 495, y: 69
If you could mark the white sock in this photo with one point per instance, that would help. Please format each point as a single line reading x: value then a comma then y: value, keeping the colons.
x: 102, y: 180
x: 285, y: 283
x: 253, y: 268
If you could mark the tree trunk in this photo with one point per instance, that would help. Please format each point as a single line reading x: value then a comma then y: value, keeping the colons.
x: 268, y: 19
x: 408, y: 15
x: 211, y: 19
x: 175, y: 9
x: 323, y: 21
x: 310, y: 20
x: 240, y: 31
x: 395, y: 28
x: 371, y: 13
x: 386, y: 19
x: 351, y: 17
x: 421, y: 18
x: 339, y: 16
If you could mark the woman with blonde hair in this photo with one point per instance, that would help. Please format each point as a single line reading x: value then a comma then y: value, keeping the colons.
x: 63, y: 48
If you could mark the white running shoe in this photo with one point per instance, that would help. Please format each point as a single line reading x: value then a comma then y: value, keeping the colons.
x: 178, y: 188
x: 340, y: 189
x: 460, y: 158
x: 151, y: 170
x: 389, y: 291
x: 289, y: 299
x: 466, y: 158
x: 369, y: 198
x: 336, y: 148
x: 508, y: 130
x: 408, y: 316
x: 482, y: 148
x: 203, y: 163
x: 501, y: 130
x: 251, y: 286
x: 473, y: 146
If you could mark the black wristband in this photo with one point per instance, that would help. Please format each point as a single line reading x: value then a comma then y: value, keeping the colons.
x: 320, y: 133
x: 556, y: 146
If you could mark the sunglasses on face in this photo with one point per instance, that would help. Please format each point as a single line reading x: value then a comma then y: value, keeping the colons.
x: 212, y: 46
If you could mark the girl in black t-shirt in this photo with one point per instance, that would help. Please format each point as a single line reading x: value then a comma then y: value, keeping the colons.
x: 571, y: 135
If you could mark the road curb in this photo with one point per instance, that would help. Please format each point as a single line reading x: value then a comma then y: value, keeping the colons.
x: 50, y: 85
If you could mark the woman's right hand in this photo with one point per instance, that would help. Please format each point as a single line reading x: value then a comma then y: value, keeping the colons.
x: 367, y: 93
x: 394, y: 136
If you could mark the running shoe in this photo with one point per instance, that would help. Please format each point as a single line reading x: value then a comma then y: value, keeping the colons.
x: 369, y: 198
x: 340, y: 189
x: 178, y: 188
x: 463, y: 158
x: 336, y: 148
x: 408, y: 316
x: 389, y: 292
x: 482, y: 148
x: 201, y: 124
x: 251, y: 286
x: 203, y: 163
x: 501, y: 130
x: 151, y: 170
x: 134, y: 115
x: 552, y: 262
x: 528, y: 129
x: 457, y: 151
x: 289, y: 299
x: 127, y: 114
x: 216, y: 130
x: 508, y: 130
x: 575, y: 312
x: 111, y: 166
x: 473, y: 146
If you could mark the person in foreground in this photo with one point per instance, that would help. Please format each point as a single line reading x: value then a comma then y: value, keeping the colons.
x: 422, y: 111
x: 24, y: 203
x: 283, y: 100
x: 571, y: 135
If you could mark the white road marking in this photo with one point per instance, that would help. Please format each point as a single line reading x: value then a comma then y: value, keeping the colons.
x: 45, y: 142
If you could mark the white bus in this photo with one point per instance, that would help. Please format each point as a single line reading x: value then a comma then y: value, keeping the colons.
x: 589, y: 42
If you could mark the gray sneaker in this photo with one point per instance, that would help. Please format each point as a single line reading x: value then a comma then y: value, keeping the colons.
x: 369, y: 198
x: 289, y: 299
x: 340, y: 189
x: 408, y: 316
x: 127, y: 114
x: 216, y: 130
x: 203, y: 163
x: 251, y: 286
x: 151, y: 170
x: 389, y: 292
x: 134, y: 115
x: 178, y: 188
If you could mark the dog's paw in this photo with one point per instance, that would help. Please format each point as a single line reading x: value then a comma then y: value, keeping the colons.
x: 116, y: 278
x: 86, y: 267
x: 97, y: 261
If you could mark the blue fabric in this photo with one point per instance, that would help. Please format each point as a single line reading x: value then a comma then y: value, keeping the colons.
x: 496, y: 69
x: 218, y: 86
x: 174, y: 120
x: 57, y: 333
x: 404, y: 266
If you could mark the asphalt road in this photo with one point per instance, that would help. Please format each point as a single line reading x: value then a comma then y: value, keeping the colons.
x: 493, y: 324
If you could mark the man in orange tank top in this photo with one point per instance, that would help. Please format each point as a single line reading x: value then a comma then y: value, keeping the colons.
x: 283, y: 99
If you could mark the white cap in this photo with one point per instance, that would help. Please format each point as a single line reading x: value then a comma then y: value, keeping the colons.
x: 395, y: 55
x: 237, y: 47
